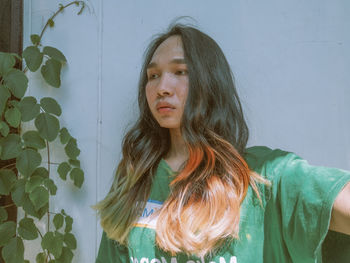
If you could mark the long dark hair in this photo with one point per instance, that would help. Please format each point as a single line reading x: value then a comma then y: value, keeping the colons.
x: 212, y: 101
x: 215, y: 132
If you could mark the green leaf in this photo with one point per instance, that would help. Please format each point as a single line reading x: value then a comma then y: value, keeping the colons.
x: 41, y: 171
x: 63, y: 169
x: 70, y: 240
x: 17, y: 82
x: 69, y: 223
x: 51, y: 22
x: 7, y: 181
x: 75, y: 163
x: 42, y: 211
x: 39, y: 197
x: 28, y: 161
x: 33, y: 139
x: 11, y: 147
x: 40, y: 258
x: 53, y: 242
x: 4, y: 96
x: 50, y: 105
x: 47, y: 125
x: 27, y: 229
x: 4, y: 129
x: 71, y: 149
x: 28, y: 206
x: 3, y: 214
x: 15, y: 55
x: 33, y: 57
x: 13, y: 117
x: 77, y: 175
x: 7, y: 61
x: 66, y: 256
x: 29, y: 108
x: 33, y: 182
x: 64, y: 135
x: 58, y: 221
x: 35, y: 39
x: 51, y: 186
x: 54, y: 53
x: 18, y: 193
x: 13, y: 252
x: 7, y: 231
x: 51, y: 72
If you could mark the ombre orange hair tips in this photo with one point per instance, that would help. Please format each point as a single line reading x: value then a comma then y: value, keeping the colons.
x: 203, y: 207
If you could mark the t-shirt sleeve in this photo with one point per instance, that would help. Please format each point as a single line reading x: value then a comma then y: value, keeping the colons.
x: 111, y: 251
x: 304, y: 196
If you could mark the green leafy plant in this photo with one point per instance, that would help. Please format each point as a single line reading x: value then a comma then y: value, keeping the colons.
x: 32, y: 187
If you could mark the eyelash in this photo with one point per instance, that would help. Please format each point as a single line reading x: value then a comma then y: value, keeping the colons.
x: 178, y: 72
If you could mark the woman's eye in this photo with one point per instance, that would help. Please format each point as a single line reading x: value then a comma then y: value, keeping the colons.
x: 181, y: 72
x: 153, y: 76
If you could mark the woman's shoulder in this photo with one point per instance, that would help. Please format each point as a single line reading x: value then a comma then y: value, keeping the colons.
x: 259, y: 157
x: 276, y: 164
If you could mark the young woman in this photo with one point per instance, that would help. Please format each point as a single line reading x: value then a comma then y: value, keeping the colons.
x: 188, y: 190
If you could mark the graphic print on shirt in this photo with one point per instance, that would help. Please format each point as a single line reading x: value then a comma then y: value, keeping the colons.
x: 148, y: 219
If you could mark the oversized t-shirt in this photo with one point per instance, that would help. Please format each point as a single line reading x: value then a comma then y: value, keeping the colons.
x: 290, y: 226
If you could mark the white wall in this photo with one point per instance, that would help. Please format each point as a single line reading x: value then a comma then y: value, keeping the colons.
x: 290, y: 60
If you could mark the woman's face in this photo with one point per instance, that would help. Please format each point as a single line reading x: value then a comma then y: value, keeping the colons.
x: 167, y: 86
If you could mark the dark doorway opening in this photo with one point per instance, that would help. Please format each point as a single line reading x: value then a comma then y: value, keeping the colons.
x: 11, y: 36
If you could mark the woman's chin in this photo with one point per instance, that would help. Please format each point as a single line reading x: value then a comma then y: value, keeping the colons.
x: 169, y: 125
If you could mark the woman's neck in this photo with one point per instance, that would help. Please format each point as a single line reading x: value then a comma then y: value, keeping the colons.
x: 178, y: 152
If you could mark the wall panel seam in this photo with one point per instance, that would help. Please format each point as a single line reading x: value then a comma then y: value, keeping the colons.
x: 99, y: 116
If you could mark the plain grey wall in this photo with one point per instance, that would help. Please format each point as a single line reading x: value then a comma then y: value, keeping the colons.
x: 290, y: 60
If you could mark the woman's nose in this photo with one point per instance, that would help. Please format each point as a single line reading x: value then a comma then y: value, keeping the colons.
x: 165, y: 85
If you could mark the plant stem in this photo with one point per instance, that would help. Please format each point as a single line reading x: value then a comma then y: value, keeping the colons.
x: 9, y: 165
x: 55, y: 14
x: 5, y: 206
x: 48, y: 169
x: 53, y: 213
x: 48, y: 253
x: 48, y: 156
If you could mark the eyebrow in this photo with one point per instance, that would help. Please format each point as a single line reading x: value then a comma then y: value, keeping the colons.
x: 173, y: 61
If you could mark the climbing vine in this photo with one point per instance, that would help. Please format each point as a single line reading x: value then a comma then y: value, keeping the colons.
x: 30, y: 183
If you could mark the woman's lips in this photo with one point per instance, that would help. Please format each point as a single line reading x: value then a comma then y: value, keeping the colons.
x: 165, y: 107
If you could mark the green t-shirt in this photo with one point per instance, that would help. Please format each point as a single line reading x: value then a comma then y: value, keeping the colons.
x: 290, y: 226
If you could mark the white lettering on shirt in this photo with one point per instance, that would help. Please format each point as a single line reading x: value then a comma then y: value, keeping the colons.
x: 144, y: 260
x: 233, y: 259
x: 172, y: 260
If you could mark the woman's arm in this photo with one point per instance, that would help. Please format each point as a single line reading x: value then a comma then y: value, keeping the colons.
x: 340, y: 220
